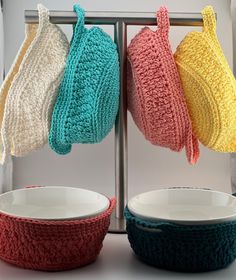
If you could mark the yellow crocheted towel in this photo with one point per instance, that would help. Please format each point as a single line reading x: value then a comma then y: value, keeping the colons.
x: 209, y: 86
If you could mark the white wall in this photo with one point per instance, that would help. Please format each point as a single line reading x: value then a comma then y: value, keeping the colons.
x: 92, y: 166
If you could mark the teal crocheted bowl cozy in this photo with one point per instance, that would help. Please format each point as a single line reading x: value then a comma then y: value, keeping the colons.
x: 88, y: 99
x: 182, y: 247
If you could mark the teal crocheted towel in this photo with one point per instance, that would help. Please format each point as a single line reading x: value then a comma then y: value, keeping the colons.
x: 88, y: 99
x: 180, y: 247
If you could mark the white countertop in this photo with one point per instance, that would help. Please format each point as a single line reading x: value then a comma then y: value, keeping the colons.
x: 116, y: 261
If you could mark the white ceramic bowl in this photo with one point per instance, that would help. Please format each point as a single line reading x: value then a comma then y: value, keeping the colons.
x: 53, y: 203
x: 184, y: 206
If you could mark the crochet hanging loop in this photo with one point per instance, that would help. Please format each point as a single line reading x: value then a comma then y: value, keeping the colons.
x: 78, y: 27
x: 43, y: 12
x: 163, y: 22
x: 209, y: 20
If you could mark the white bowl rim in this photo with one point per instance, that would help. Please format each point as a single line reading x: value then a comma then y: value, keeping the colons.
x: 30, y: 188
x: 179, y: 221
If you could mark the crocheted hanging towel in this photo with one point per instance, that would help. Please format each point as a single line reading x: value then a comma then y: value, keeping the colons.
x: 88, y: 99
x: 209, y: 86
x: 30, y: 32
x: 34, y: 82
x: 155, y: 96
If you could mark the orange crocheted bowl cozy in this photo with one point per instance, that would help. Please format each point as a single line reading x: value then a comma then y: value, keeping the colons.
x: 52, y: 245
x: 155, y: 95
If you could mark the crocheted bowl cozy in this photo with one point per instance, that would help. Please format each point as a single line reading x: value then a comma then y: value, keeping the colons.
x: 155, y: 95
x: 52, y: 245
x: 31, y: 87
x: 209, y: 86
x: 182, y: 247
x: 88, y: 99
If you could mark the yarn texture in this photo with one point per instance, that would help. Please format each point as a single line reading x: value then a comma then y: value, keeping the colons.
x: 30, y: 32
x: 34, y: 82
x: 88, y: 99
x: 180, y: 247
x: 155, y: 96
x: 209, y: 86
x: 52, y: 245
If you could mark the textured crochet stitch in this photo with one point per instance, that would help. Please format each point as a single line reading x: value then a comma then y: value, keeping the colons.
x: 155, y: 95
x: 52, y: 245
x: 29, y: 36
x: 32, y: 86
x: 180, y: 247
x: 88, y: 99
x: 209, y: 86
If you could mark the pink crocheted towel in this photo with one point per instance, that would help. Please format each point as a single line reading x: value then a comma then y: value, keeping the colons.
x: 52, y: 245
x: 155, y: 95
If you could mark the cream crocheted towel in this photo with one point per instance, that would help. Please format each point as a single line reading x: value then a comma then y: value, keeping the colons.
x: 29, y: 36
x: 31, y: 87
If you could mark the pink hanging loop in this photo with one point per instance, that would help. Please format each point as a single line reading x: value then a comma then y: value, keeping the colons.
x: 163, y: 21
